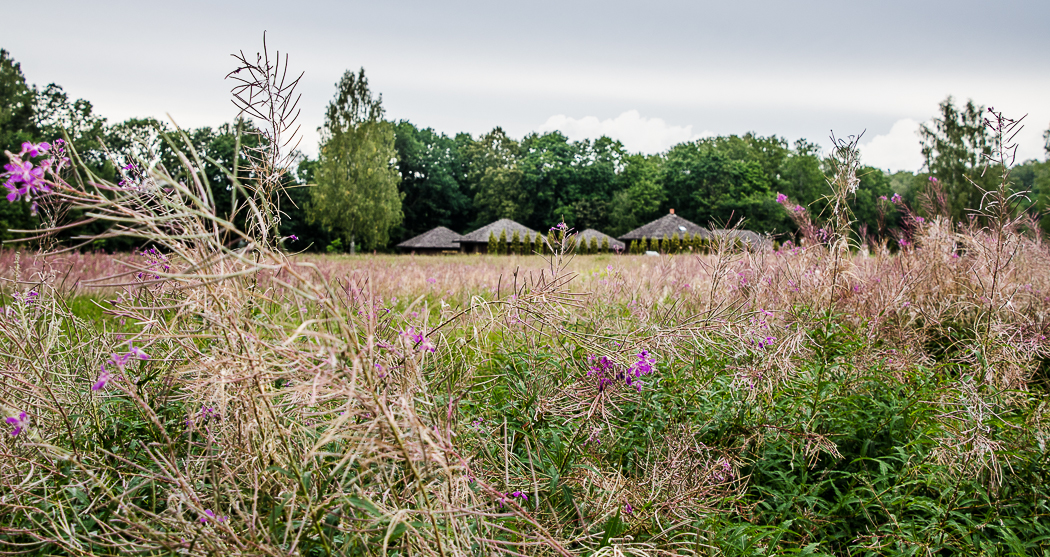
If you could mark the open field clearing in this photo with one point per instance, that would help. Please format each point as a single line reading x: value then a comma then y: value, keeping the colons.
x: 730, y: 403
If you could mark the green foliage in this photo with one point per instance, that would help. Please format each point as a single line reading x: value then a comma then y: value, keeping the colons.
x: 356, y: 196
x: 501, y: 246
x: 493, y: 246
x: 954, y: 145
x: 515, y: 243
x: 706, y: 183
x: 17, y: 118
x: 433, y: 181
x: 495, y: 179
x: 639, y: 196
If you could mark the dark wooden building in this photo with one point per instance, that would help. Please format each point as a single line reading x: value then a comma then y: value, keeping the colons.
x: 744, y: 238
x: 586, y: 236
x: 478, y: 241
x: 667, y: 225
x: 434, y: 241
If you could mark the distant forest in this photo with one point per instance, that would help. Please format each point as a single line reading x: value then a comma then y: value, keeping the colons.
x: 463, y: 182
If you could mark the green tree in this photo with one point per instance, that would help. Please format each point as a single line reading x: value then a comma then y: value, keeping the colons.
x: 515, y: 242
x: 17, y: 125
x: 706, y: 184
x: 495, y: 177
x: 17, y: 118
x: 57, y: 114
x: 356, y: 196
x: 639, y: 195
x: 433, y: 181
x: 954, y: 145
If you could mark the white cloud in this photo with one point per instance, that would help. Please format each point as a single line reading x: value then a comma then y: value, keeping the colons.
x: 638, y: 134
x: 898, y: 149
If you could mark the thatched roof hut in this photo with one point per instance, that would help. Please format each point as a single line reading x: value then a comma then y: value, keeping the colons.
x: 435, y: 240
x: 667, y: 225
x: 586, y: 235
x: 746, y: 238
x: 478, y: 241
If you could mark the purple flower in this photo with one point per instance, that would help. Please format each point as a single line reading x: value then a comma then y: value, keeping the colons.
x: 293, y: 237
x: 422, y: 343
x: 934, y: 180
x: 781, y: 198
x: 644, y: 365
x: 129, y: 166
x: 799, y: 208
x: 135, y: 352
x: 628, y: 509
x: 35, y: 150
x: 103, y: 378
x: 118, y: 360
x: 20, y: 423
x: 209, y: 514
x: 896, y: 198
x: 520, y: 495
x: 31, y: 177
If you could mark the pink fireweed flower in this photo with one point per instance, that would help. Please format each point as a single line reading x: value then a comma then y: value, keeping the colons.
x: 643, y: 367
x: 119, y: 361
x: 520, y: 495
x: 421, y: 342
x: 799, y: 208
x: 208, y: 514
x: 896, y: 198
x: 20, y: 423
x: 30, y: 177
x: 35, y: 150
x: 781, y: 198
x: 602, y: 368
x: 103, y: 378
x: 628, y: 509
x: 934, y: 180
x: 136, y: 352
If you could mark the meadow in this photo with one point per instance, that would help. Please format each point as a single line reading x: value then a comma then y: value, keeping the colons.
x: 733, y: 403
x: 214, y: 394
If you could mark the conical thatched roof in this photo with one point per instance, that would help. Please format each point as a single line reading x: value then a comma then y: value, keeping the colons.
x: 435, y: 238
x: 667, y: 225
x: 614, y: 244
x: 481, y: 235
x: 749, y: 237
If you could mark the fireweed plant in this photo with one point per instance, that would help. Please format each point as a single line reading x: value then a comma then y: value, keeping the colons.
x: 208, y: 399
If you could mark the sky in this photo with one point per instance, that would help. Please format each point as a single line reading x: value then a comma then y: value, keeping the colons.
x: 651, y: 74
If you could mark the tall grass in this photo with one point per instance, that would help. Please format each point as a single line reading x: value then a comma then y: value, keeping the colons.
x: 806, y: 400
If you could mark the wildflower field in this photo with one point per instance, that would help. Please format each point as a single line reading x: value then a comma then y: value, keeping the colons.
x: 213, y: 394
x: 733, y: 403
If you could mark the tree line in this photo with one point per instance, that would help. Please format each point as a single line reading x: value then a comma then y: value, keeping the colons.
x: 377, y: 182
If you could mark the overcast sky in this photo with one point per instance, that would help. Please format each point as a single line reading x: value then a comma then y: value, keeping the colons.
x: 651, y: 74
